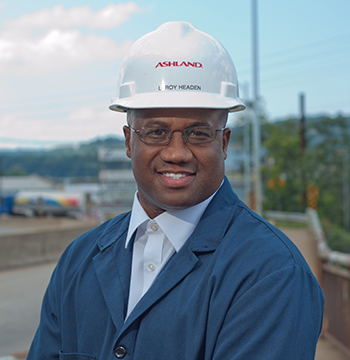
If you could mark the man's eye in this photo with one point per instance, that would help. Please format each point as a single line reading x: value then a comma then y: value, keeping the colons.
x: 156, y: 132
x: 202, y: 133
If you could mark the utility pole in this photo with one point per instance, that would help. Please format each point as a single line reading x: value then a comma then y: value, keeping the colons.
x: 346, y: 180
x: 302, y: 146
x: 246, y: 145
x: 302, y: 122
x: 346, y: 210
x: 0, y: 179
x: 256, y: 118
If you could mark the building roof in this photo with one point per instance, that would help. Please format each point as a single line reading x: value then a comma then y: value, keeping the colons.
x: 11, y: 184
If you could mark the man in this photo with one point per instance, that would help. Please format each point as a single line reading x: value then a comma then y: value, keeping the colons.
x: 191, y: 273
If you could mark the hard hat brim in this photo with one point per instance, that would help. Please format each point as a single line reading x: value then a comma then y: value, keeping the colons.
x: 177, y: 100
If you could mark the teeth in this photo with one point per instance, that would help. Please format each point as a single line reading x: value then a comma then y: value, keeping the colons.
x: 174, y: 176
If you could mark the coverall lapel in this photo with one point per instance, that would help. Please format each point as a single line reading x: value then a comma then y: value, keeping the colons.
x: 113, y: 268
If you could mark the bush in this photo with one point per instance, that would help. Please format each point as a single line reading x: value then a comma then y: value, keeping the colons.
x: 337, y: 238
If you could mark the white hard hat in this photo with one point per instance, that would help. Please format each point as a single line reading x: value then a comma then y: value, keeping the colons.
x: 177, y: 66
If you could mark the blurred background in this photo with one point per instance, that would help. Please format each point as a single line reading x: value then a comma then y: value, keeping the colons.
x: 63, y: 167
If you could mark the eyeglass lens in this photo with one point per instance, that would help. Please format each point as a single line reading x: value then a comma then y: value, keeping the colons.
x: 192, y: 135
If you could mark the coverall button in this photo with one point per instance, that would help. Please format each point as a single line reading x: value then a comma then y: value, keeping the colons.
x: 120, y: 352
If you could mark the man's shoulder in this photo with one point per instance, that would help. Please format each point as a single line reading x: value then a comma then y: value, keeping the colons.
x: 246, y: 232
x: 263, y: 241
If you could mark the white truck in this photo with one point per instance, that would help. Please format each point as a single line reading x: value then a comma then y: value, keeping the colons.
x: 30, y: 203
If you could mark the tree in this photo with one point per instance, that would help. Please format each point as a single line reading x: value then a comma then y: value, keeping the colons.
x: 327, y: 138
x: 322, y: 165
x: 15, y: 171
x: 282, y: 166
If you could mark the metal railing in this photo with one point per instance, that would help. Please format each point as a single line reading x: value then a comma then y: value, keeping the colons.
x: 335, y: 282
x: 325, y: 254
x: 333, y: 275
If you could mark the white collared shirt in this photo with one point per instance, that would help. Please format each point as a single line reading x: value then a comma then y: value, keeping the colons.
x: 156, y: 240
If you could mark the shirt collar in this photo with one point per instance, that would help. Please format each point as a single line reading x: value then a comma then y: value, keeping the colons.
x: 177, y: 225
x: 138, y: 217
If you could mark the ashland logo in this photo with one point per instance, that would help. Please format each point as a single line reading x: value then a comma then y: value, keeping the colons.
x: 178, y: 64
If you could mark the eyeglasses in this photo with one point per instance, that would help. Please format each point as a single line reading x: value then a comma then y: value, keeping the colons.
x: 194, y: 135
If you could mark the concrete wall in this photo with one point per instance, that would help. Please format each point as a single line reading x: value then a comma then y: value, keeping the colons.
x: 36, y: 246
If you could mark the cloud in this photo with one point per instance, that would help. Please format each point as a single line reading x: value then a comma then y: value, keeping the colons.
x: 107, y: 18
x: 60, y: 45
x: 81, y: 124
x: 56, y: 51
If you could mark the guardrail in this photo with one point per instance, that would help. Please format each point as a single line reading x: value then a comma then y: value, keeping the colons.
x: 335, y: 282
x: 325, y: 254
x: 334, y: 277
x: 287, y: 216
x: 39, y: 244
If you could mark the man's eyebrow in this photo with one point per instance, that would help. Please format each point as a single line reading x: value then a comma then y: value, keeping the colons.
x: 154, y: 122
x: 200, y: 123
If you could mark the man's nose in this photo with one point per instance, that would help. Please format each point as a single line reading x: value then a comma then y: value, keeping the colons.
x: 177, y: 150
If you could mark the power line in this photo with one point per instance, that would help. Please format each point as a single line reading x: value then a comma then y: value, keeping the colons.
x: 316, y: 75
x: 307, y: 47
x: 299, y: 49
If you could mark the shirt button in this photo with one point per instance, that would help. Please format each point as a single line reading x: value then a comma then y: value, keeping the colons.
x: 154, y: 227
x: 120, y: 352
x: 152, y: 267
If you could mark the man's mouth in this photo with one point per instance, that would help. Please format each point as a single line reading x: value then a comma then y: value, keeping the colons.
x: 175, y: 176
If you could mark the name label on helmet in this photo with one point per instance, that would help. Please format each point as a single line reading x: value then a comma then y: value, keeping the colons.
x: 178, y: 64
x: 164, y: 87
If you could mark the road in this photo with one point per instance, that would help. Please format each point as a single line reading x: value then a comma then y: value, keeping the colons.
x: 21, y: 294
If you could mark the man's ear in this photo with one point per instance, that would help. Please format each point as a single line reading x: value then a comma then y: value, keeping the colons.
x: 127, y: 134
x: 225, y: 140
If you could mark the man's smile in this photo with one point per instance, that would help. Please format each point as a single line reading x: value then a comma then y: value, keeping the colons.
x: 175, y: 176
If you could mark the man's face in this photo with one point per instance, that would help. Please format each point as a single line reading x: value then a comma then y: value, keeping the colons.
x: 177, y: 175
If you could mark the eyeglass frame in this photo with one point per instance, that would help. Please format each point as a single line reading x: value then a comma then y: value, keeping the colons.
x: 170, y: 132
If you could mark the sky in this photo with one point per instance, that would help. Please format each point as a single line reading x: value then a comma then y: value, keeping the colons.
x: 59, y: 59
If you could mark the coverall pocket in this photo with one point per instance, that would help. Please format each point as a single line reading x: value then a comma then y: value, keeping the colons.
x: 76, y: 356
